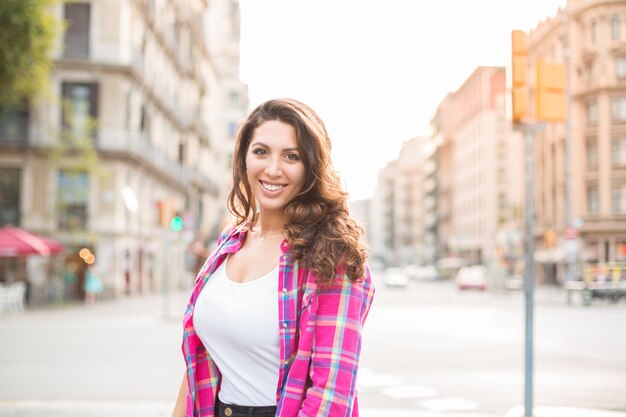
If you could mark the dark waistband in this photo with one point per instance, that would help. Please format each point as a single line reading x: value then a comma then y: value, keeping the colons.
x: 233, y: 410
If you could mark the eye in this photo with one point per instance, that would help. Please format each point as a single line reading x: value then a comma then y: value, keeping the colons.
x: 292, y: 156
x: 260, y: 151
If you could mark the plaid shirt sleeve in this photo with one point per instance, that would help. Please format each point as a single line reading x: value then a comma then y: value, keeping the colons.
x: 337, y: 322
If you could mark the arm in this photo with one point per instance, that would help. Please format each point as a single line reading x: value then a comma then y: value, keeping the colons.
x: 340, y: 314
x: 181, y: 402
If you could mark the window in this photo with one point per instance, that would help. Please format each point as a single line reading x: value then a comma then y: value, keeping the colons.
x: 232, y: 128
x: 502, y: 201
x: 593, y: 199
x: 589, y: 71
x: 9, y: 196
x: 593, y: 33
x: 77, y: 33
x: 618, y: 151
x: 618, y: 109
x: 618, y: 198
x: 144, y: 121
x: 592, y: 113
x: 129, y: 109
x: 80, y: 110
x: 615, y: 29
x: 181, y: 152
x: 620, y: 67
x: 233, y: 99
x: 592, y: 153
x: 72, y: 203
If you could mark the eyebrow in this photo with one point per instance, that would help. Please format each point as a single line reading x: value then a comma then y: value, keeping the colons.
x: 263, y: 144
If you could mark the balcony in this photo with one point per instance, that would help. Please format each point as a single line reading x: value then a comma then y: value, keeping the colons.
x: 610, y: 223
x: 76, y: 46
x: 140, y: 148
x: 14, y: 130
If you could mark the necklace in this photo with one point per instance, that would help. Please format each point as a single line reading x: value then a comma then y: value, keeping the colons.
x: 262, y: 237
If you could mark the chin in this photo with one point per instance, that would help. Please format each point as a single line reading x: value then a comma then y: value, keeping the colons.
x: 273, y: 206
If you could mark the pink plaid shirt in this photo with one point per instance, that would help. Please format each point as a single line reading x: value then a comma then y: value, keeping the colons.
x: 320, y: 340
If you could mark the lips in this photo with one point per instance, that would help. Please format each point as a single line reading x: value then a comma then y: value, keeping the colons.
x: 272, y: 187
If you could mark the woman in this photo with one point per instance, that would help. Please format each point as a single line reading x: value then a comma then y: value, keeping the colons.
x: 93, y: 286
x: 273, y: 326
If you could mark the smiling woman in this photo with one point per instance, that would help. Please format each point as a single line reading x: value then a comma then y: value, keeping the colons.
x: 273, y: 326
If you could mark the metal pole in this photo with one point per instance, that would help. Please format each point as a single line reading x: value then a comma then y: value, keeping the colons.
x: 569, y: 262
x: 165, y: 271
x: 529, y: 265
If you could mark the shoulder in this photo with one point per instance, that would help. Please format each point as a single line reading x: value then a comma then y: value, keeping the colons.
x: 226, y: 233
x: 232, y: 233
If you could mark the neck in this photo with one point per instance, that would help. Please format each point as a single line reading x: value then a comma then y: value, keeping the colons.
x: 270, y: 223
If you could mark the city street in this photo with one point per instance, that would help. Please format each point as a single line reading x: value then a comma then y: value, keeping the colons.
x: 429, y: 350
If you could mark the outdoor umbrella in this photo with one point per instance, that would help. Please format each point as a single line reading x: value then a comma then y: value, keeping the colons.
x: 15, y: 241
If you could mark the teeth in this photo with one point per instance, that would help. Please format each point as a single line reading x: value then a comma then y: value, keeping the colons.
x: 271, y: 187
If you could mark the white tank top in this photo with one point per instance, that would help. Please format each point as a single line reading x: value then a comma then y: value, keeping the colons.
x: 238, y: 325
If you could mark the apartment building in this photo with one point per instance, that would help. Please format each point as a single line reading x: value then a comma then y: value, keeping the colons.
x: 137, y: 126
x: 589, y: 36
x: 396, y: 223
x: 479, y: 178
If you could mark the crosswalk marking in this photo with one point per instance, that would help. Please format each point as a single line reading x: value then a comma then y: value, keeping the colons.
x: 448, y: 404
x: 409, y: 391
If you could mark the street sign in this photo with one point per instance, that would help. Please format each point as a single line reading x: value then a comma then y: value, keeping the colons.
x: 570, y: 232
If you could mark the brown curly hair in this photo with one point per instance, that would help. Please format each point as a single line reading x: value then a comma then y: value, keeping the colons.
x: 321, y: 233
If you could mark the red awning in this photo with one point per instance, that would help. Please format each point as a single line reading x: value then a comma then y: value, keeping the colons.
x: 18, y: 242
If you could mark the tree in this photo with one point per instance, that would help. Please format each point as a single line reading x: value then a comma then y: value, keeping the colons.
x: 26, y: 40
x: 75, y: 151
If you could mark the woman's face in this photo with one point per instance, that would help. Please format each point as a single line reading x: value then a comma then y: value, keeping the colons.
x: 274, y: 166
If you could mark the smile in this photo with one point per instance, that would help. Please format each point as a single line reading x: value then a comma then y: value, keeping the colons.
x: 272, y: 187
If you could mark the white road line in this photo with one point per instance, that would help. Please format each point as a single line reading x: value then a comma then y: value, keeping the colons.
x: 448, y: 404
x: 368, y: 378
x: 409, y: 391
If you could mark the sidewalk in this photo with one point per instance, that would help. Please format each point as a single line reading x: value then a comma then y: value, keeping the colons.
x: 90, y: 408
x: 540, y: 411
x: 557, y: 295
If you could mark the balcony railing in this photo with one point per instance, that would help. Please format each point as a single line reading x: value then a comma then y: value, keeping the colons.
x: 141, y: 148
x: 14, y: 128
x: 76, y: 46
x: 610, y: 222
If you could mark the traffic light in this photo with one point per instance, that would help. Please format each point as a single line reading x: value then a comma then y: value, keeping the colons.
x: 549, y: 239
x: 166, y: 212
x: 519, y: 75
x: 550, y: 95
x: 176, y: 224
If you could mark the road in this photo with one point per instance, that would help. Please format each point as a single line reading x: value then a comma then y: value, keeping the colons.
x: 429, y: 350
x: 435, y: 347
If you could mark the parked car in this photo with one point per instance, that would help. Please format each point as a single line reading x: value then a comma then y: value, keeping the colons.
x: 395, y: 277
x: 514, y: 282
x: 474, y: 276
x: 422, y: 273
x: 448, y: 267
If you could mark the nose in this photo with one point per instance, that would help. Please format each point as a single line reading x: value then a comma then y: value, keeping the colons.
x: 273, y: 168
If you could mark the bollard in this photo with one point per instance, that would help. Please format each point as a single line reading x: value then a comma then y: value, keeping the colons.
x: 586, y: 294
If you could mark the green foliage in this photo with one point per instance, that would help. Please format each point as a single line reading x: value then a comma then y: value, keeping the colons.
x: 75, y: 151
x: 27, y: 34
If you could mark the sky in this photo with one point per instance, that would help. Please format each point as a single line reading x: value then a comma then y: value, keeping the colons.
x: 375, y: 70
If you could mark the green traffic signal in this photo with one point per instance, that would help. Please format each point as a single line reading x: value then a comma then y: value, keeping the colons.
x: 176, y: 224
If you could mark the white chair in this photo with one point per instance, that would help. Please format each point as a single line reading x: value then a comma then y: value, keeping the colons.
x: 4, y: 299
x: 12, y: 297
x: 18, y: 295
